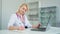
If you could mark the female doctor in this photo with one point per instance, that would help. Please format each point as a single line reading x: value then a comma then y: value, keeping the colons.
x: 19, y: 21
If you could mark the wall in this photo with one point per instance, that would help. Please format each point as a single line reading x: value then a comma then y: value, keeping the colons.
x: 0, y: 12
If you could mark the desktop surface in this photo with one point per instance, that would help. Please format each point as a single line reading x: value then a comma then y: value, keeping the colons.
x: 52, y: 30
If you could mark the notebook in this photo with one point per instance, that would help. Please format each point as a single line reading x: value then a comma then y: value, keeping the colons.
x: 42, y: 28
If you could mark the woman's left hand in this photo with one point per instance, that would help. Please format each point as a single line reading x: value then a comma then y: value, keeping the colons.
x: 38, y: 26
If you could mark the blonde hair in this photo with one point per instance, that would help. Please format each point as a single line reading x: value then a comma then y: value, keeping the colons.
x: 24, y: 4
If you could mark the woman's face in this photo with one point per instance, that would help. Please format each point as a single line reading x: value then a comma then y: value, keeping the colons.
x: 23, y: 9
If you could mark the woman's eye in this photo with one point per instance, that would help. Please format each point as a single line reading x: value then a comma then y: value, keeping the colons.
x: 23, y: 8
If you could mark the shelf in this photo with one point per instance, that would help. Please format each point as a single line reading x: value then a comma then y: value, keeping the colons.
x: 33, y: 14
x: 33, y: 5
x: 34, y: 9
x: 31, y: 19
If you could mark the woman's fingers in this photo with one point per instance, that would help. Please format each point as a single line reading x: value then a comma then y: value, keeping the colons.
x: 38, y: 25
x: 21, y: 28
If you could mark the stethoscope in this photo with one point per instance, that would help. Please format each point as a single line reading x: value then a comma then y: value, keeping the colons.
x: 23, y: 22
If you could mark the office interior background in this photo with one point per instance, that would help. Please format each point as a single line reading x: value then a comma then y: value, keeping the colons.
x: 8, y: 7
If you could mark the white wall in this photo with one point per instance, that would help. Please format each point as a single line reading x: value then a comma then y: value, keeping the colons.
x: 0, y: 12
x: 49, y: 3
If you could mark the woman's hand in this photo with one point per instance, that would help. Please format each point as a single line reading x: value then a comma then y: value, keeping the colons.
x: 36, y: 26
x: 21, y: 28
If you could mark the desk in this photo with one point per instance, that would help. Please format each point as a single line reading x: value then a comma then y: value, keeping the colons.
x: 52, y: 30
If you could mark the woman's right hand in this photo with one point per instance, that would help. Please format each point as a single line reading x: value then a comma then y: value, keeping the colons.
x: 21, y: 28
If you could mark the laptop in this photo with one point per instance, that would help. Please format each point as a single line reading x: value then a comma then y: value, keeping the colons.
x: 42, y: 28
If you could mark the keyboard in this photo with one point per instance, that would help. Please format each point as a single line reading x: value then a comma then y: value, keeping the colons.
x: 38, y: 29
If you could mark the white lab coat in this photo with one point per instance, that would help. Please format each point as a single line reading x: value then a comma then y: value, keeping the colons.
x: 15, y: 21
